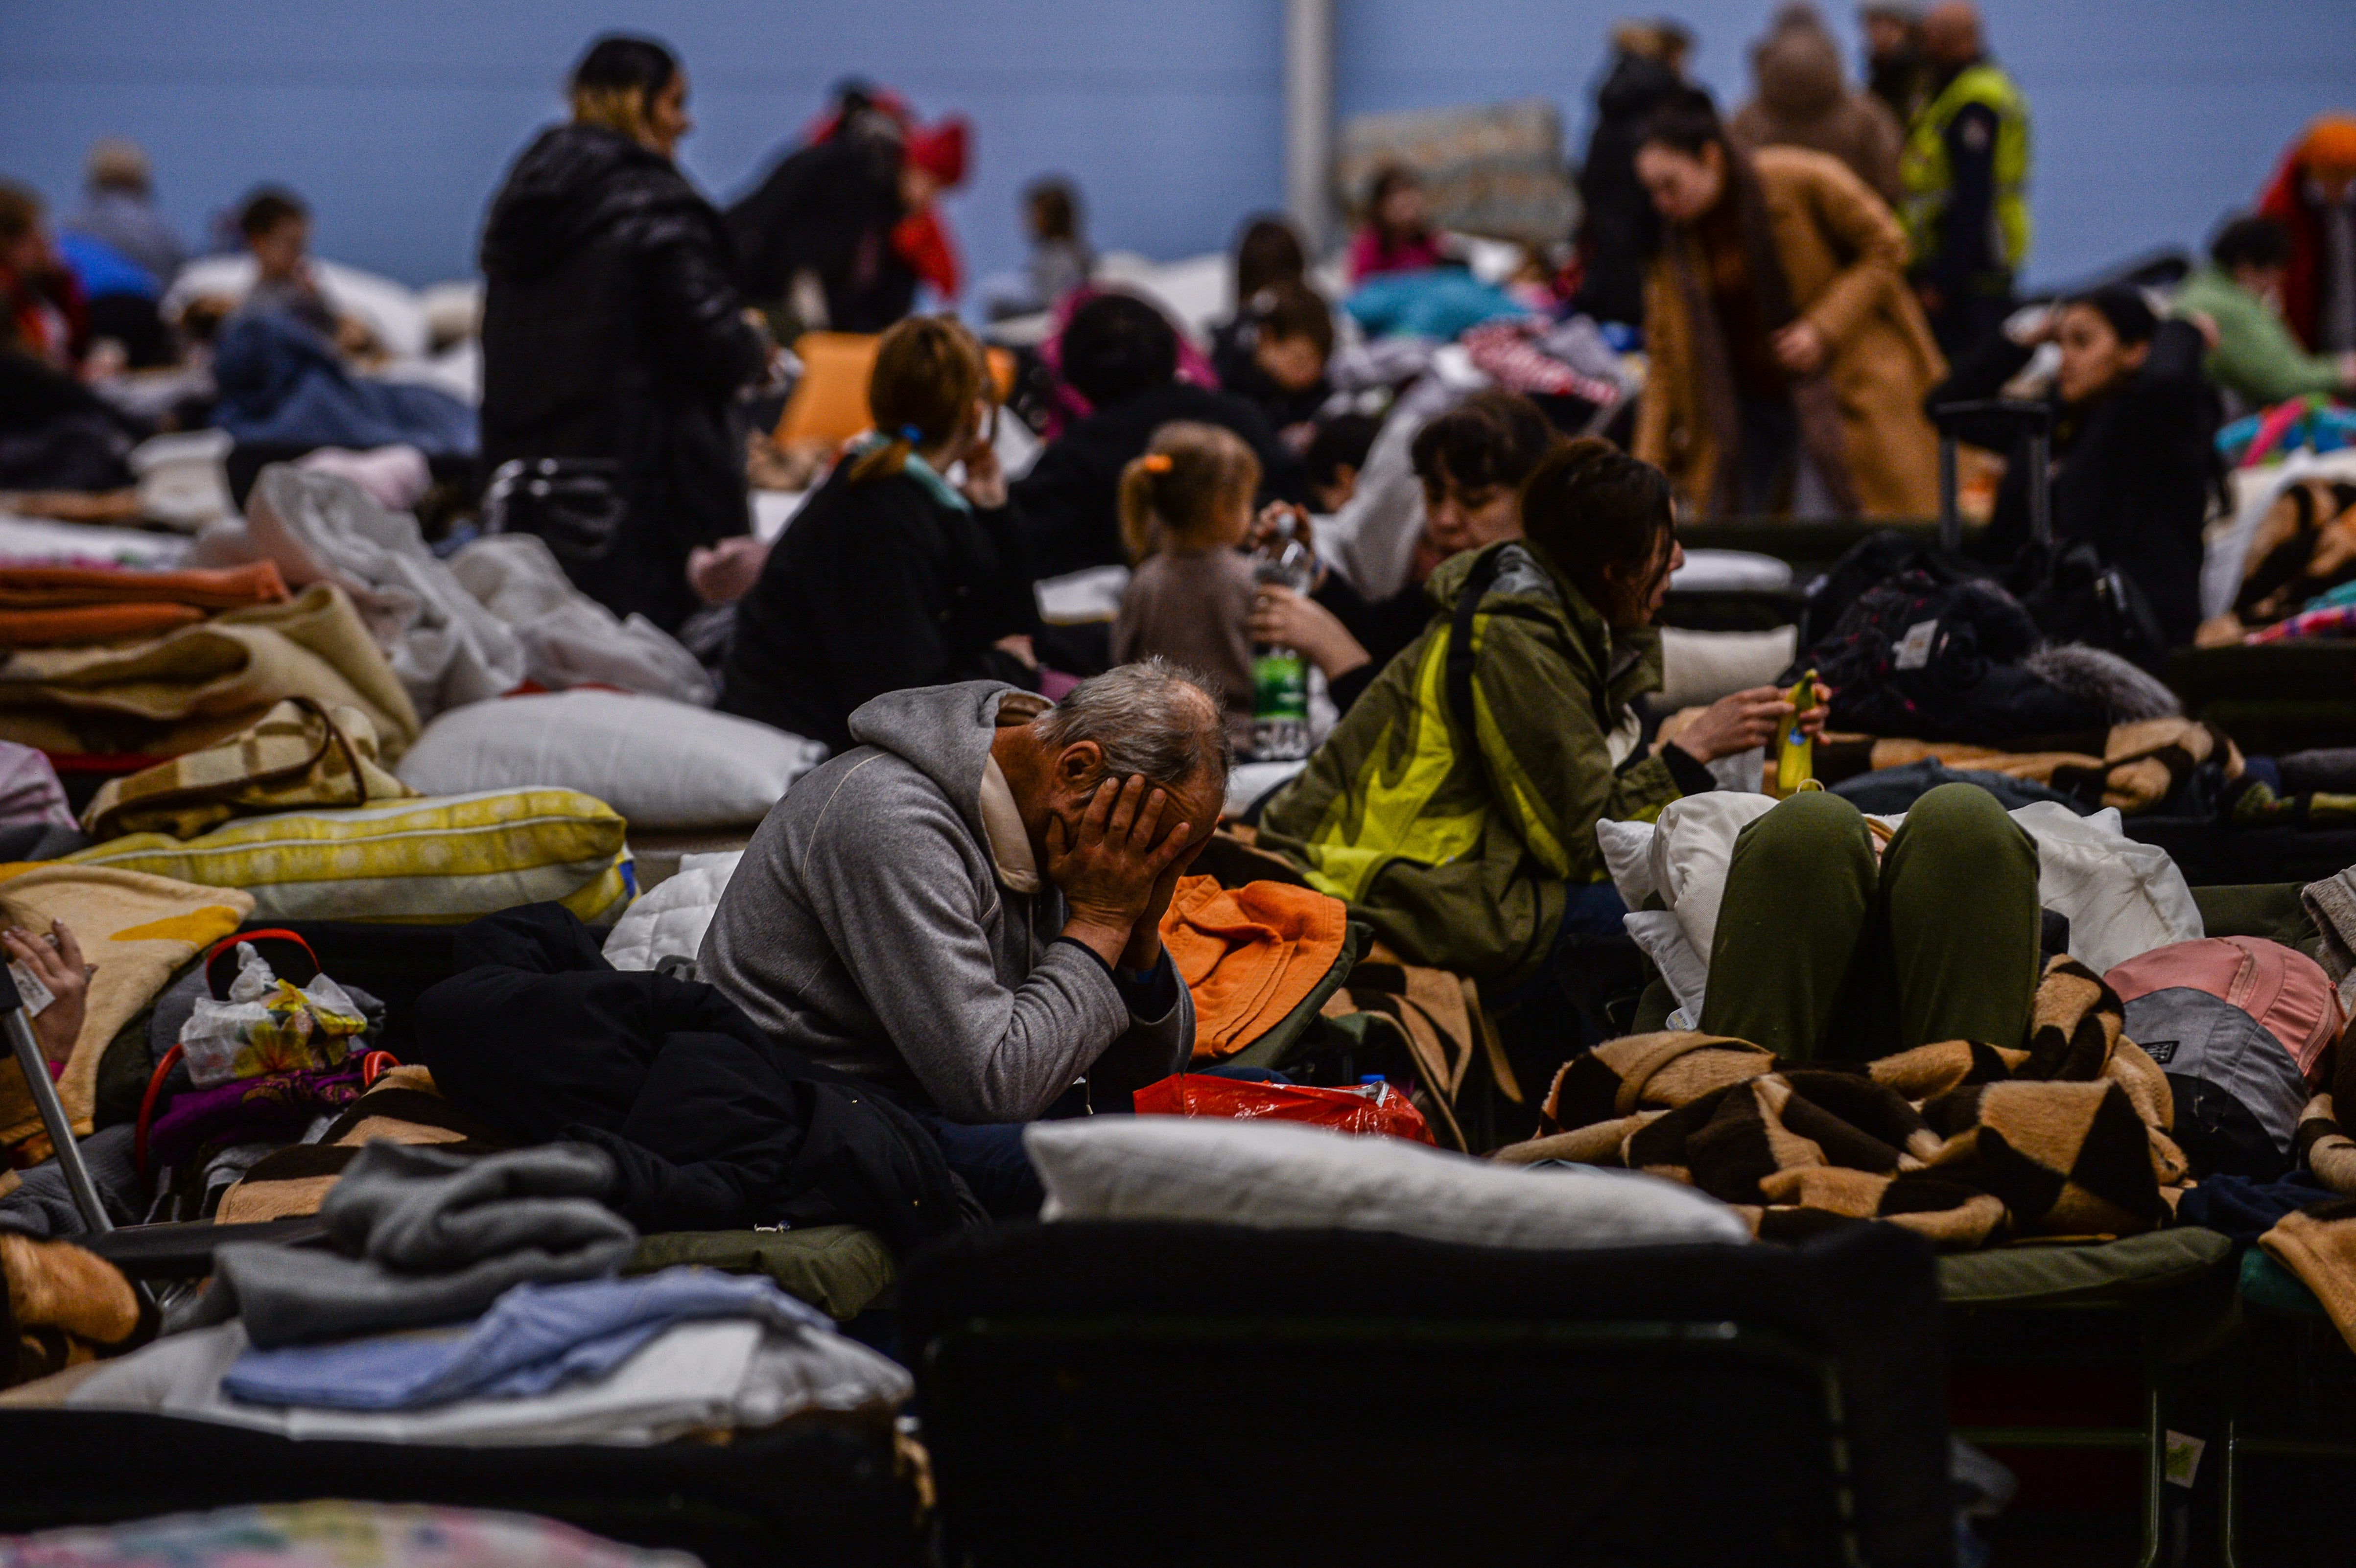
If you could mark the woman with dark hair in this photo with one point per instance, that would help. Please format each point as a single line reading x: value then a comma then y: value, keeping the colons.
x: 2132, y: 463
x: 1788, y: 357
x: 891, y: 577
x: 1455, y: 807
x: 611, y: 335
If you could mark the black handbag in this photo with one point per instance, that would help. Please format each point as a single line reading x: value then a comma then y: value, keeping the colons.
x: 573, y: 503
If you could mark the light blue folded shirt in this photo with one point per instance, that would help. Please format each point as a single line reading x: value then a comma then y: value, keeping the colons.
x: 535, y: 1337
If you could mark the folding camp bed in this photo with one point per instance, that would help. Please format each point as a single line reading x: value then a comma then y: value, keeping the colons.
x: 2282, y: 1315
x: 1171, y: 1392
x: 2158, y: 1303
x: 813, y: 1490
x: 2274, y: 698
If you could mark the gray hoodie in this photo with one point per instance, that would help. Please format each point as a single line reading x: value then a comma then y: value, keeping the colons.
x: 878, y: 925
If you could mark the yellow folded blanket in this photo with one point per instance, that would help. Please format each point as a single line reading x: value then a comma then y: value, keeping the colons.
x: 136, y: 930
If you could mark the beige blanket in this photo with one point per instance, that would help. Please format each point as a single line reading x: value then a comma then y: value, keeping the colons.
x: 136, y: 930
x: 176, y: 693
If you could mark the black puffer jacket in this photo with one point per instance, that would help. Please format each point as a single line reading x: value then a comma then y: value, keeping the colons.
x: 611, y: 329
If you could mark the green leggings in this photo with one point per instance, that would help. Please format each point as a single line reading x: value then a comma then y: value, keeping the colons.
x: 1822, y: 954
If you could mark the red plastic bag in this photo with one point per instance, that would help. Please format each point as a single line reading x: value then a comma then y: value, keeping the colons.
x: 1369, y: 1109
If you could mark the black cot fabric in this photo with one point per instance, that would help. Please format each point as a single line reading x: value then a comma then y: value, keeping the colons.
x: 1132, y: 1434
x: 715, y: 1128
x: 815, y: 1492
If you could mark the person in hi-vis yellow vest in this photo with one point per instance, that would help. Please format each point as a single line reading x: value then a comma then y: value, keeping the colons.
x: 1963, y: 173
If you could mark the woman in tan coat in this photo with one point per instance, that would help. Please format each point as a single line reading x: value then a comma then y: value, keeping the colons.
x: 1789, y: 360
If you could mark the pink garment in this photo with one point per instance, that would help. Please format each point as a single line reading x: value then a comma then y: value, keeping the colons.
x: 2284, y: 989
x: 395, y: 477
x: 1371, y: 255
x: 2331, y: 621
x: 29, y: 791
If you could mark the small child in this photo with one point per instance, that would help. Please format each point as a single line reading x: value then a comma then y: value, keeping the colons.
x: 1278, y: 363
x: 1061, y: 258
x: 1398, y: 236
x: 1336, y: 456
x: 277, y: 231
x: 1185, y: 506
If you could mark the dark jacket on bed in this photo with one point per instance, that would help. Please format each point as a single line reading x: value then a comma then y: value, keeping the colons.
x: 2131, y: 474
x: 713, y: 1126
x: 1068, y: 501
x: 875, y: 588
x: 611, y: 329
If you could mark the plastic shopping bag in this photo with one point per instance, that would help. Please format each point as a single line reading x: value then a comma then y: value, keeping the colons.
x: 1368, y: 1109
x: 268, y: 1025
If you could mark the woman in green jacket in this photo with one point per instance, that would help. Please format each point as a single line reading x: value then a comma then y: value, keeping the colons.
x: 1455, y: 805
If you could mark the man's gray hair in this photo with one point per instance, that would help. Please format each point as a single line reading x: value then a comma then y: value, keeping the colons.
x: 1152, y: 718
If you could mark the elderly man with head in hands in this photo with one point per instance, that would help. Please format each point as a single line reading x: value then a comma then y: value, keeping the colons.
x: 964, y: 909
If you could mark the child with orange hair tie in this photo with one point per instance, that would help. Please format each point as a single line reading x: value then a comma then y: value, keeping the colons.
x: 1185, y: 511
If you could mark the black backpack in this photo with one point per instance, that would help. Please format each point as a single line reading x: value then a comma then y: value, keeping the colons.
x: 1941, y: 661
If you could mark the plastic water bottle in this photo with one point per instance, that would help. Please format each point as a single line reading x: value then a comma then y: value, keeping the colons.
x: 1280, y: 675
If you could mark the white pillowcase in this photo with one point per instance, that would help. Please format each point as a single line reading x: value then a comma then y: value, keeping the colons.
x: 1731, y: 571
x: 1286, y: 1176
x: 660, y: 764
x: 1699, y: 668
x: 1693, y: 843
x: 2122, y: 898
x: 669, y: 920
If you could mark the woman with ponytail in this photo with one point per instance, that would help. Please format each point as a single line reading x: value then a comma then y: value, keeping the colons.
x: 891, y: 576
x: 1455, y: 807
x: 1186, y: 510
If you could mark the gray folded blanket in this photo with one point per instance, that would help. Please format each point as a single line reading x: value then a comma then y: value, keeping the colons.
x: 437, y: 1237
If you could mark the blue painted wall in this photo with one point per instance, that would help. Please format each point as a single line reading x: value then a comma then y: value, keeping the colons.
x: 2153, y: 116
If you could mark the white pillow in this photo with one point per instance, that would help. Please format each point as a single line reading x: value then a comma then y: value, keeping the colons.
x: 660, y: 764
x: 1699, y: 668
x: 1693, y: 843
x: 669, y: 920
x: 1628, y: 855
x: 1285, y: 1176
x: 2122, y: 898
x: 1663, y: 941
x: 1246, y: 782
x: 1730, y: 571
